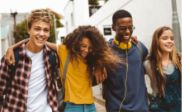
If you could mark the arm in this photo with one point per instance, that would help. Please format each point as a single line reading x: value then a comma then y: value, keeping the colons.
x: 9, y: 53
x: 100, y: 75
x: 4, y: 75
x: 148, y: 77
x: 52, y: 46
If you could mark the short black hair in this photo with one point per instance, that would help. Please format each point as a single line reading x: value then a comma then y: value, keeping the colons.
x: 120, y: 14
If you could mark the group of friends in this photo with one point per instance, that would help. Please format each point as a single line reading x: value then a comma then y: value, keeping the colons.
x: 121, y: 65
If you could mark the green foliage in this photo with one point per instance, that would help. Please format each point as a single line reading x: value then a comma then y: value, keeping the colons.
x: 93, y: 2
x: 106, y: 1
x: 21, y: 33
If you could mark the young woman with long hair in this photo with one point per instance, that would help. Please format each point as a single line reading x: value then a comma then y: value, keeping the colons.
x: 164, y: 69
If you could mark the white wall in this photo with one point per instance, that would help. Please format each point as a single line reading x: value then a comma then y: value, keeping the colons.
x: 68, y: 10
x: 147, y: 16
x: 4, y: 45
x: 76, y: 13
x: 80, y: 12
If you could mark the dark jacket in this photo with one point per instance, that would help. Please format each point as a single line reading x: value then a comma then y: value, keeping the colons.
x: 114, y: 85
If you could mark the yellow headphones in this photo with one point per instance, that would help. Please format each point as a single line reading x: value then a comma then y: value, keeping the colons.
x: 122, y: 45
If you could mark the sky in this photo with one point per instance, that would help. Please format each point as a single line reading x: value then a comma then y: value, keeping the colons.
x: 6, y: 6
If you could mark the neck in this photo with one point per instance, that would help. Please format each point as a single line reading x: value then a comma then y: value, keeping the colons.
x: 32, y: 48
x: 165, y: 59
x: 123, y: 45
x: 165, y: 56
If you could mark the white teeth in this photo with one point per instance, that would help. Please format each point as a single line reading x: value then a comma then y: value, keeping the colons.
x: 169, y: 46
x: 40, y: 39
x: 126, y: 36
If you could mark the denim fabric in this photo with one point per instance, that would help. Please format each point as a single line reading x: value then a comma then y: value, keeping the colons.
x: 70, y: 107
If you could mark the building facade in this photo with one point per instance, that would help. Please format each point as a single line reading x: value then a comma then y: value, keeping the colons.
x: 147, y: 15
x: 6, y: 26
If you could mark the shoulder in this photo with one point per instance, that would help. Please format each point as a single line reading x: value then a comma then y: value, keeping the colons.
x: 148, y: 68
x: 142, y: 49
x: 141, y: 45
x: 61, y: 48
x: 50, y: 53
x: 48, y: 50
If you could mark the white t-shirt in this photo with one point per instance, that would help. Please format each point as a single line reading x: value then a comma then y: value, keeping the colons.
x: 37, y: 91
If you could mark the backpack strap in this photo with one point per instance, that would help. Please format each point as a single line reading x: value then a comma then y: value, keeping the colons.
x: 12, y: 70
x: 52, y: 60
x: 66, y: 68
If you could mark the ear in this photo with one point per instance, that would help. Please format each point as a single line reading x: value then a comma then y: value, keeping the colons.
x: 113, y: 27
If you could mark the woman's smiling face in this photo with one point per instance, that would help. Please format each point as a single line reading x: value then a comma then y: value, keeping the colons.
x: 85, y: 47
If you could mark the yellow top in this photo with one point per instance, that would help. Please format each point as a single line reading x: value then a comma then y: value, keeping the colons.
x: 78, y: 89
x: 123, y: 45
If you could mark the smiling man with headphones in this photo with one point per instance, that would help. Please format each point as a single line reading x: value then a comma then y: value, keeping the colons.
x: 124, y: 90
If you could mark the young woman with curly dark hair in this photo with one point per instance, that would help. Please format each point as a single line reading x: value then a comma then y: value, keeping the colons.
x: 90, y: 56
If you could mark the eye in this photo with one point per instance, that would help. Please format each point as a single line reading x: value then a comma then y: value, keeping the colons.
x: 82, y: 46
x: 37, y: 28
x: 164, y: 37
x: 124, y: 28
x: 46, y: 30
x: 172, y: 38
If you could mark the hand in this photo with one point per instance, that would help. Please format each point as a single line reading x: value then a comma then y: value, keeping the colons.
x: 100, y: 75
x: 134, y: 39
x: 10, y: 56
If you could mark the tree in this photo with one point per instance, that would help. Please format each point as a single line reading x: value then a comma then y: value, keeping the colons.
x: 21, y: 33
x: 93, y: 2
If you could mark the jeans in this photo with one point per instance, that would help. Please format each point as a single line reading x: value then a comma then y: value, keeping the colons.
x: 70, y: 107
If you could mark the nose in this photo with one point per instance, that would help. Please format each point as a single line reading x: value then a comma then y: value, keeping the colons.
x: 128, y: 30
x: 42, y: 32
x: 170, y: 39
x: 86, y: 50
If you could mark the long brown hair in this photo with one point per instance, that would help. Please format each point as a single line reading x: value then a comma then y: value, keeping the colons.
x: 101, y: 56
x: 156, y: 60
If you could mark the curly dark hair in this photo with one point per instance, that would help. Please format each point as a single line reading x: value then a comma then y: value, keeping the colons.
x: 101, y: 55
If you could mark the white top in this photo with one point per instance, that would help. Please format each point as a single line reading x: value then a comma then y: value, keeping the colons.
x: 37, y: 90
